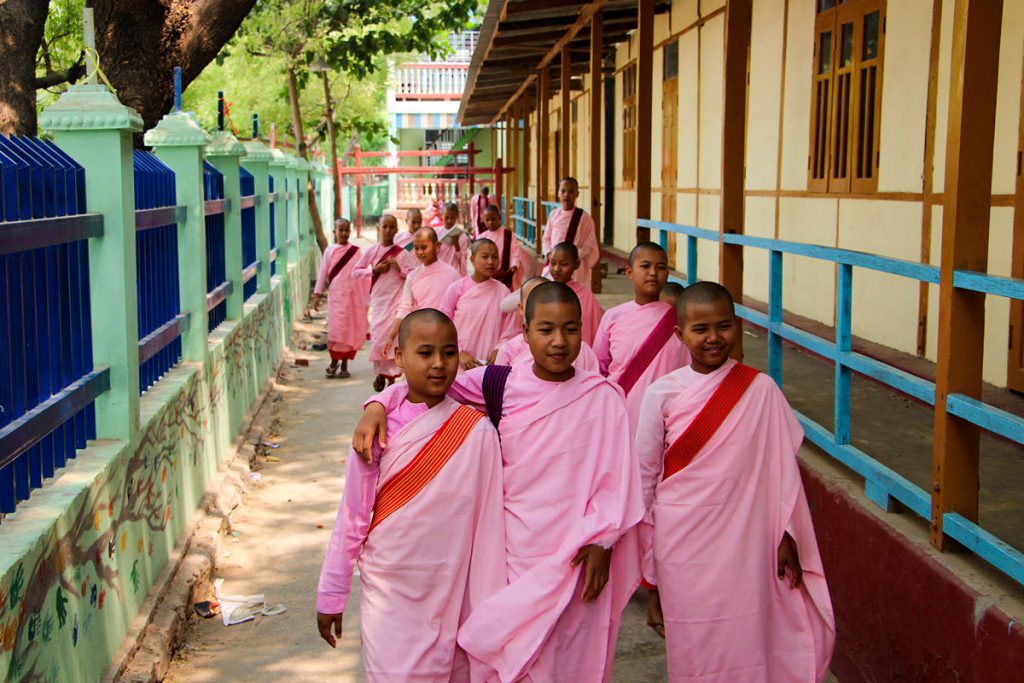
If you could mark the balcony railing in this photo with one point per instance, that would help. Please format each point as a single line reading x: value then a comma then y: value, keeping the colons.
x: 430, y: 81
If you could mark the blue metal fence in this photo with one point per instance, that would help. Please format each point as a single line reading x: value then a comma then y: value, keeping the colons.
x: 273, y: 234
x: 217, y: 285
x: 881, y: 483
x: 47, y: 380
x: 524, y: 219
x: 156, y: 253
x: 250, y: 264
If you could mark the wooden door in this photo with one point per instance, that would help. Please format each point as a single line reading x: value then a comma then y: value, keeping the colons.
x: 669, y: 159
x: 1015, y: 365
x: 554, y: 161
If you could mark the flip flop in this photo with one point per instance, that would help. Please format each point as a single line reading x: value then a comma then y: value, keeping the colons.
x: 343, y: 374
x: 330, y: 372
x: 378, y: 383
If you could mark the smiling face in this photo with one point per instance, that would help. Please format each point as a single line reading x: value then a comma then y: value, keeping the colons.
x: 424, y: 247
x: 485, y: 262
x: 708, y: 330
x: 387, y: 229
x: 648, y: 273
x: 562, y: 265
x: 554, y: 334
x: 429, y: 357
x: 568, y: 191
x: 492, y: 218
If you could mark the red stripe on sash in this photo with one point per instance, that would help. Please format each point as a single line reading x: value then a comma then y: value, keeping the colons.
x: 682, y: 452
x: 340, y: 264
x: 648, y: 351
x: 411, y: 479
x: 388, y: 254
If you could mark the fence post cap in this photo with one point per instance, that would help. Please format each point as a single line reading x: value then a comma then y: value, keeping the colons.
x: 256, y: 151
x: 224, y: 144
x: 278, y: 158
x: 176, y: 130
x: 90, y: 107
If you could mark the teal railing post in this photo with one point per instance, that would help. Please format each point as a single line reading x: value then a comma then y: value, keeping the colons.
x: 774, y: 314
x: 92, y: 126
x: 179, y: 142
x: 257, y: 162
x: 224, y: 152
x: 302, y: 223
x: 278, y: 169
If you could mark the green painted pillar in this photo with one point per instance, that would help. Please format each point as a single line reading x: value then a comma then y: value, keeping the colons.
x: 257, y: 162
x: 327, y: 200
x: 293, y: 209
x: 179, y: 142
x: 224, y: 152
x: 91, y: 125
x: 278, y: 169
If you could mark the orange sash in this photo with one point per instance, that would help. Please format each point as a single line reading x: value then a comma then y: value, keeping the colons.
x: 411, y: 479
x: 684, y: 449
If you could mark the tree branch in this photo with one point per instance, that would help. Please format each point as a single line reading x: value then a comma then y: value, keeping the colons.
x: 71, y: 75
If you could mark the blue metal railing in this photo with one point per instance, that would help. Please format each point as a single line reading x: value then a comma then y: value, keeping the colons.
x: 881, y: 482
x: 217, y: 286
x: 47, y: 380
x: 273, y: 234
x: 250, y: 264
x: 156, y: 254
x: 524, y: 219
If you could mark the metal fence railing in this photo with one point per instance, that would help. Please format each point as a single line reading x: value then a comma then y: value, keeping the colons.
x: 47, y: 379
x: 250, y: 264
x: 217, y: 284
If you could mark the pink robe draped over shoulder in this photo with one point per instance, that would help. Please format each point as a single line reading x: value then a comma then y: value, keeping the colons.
x: 425, y: 287
x: 427, y: 565
x: 521, y: 258
x: 557, y: 229
x: 475, y: 307
x: 622, y: 333
x: 385, y: 296
x: 717, y: 525
x: 347, y: 300
x: 456, y: 258
x: 592, y: 311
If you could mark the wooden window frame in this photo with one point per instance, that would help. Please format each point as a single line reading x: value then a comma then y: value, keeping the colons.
x: 843, y: 155
x: 629, y: 120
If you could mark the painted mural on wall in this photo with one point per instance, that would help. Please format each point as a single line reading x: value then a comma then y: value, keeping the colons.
x: 65, y: 607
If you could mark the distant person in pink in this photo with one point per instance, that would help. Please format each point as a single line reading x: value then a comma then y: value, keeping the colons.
x: 432, y: 213
x: 426, y: 285
x: 512, y: 256
x: 728, y: 535
x: 385, y: 266
x: 474, y: 303
x: 347, y: 300
x: 569, y: 223
x: 480, y: 202
x: 424, y: 520
x: 635, y: 342
x: 454, y: 249
x: 569, y: 498
x: 563, y: 262
x: 413, y: 222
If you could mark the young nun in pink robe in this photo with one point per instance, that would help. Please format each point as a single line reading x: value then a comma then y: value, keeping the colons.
x: 346, y: 300
x: 559, y: 229
x: 635, y: 343
x: 571, y: 492
x: 385, y: 265
x: 413, y: 222
x: 563, y: 262
x: 512, y: 256
x: 732, y: 549
x: 424, y: 521
x: 474, y: 303
x: 454, y: 248
x: 426, y: 285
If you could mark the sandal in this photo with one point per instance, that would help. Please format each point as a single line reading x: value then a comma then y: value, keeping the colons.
x: 343, y: 374
x: 378, y: 383
x: 330, y: 371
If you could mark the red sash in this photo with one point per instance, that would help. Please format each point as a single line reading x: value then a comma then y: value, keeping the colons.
x: 503, y: 275
x: 574, y: 225
x: 411, y: 479
x: 340, y: 264
x: 648, y: 351
x: 682, y: 452
x: 388, y: 254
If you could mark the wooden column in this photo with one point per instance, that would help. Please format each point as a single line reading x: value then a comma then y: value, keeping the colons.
x: 734, y: 138
x: 644, y: 112
x: 564, y: 134
x: 542, y: 157
x: 515, y: 151
x: 525, y: 163
x: 596, y: 108
x: 507, y: 161
x: 965, y: 230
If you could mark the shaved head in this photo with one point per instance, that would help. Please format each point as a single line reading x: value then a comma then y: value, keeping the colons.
x: 570, y: 250
x: 338, y: 222
x: 529, y: 286
x: 482, y: 242
x: 492, y: 207
x: 412, y: 212
x: 551, y: 293
x: 645, y: 246
x: 423, y: 315
x: 388, y: 218
x: 702, y: 293
x: 429, y: 233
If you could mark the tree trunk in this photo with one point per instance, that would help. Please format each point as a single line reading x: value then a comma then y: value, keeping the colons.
x: 21, y: 33
x: 300, y: 147
x: 332, y: 135
x: 141, y: 41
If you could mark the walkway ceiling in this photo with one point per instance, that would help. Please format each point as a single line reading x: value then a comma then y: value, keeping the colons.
x: 518, y: 38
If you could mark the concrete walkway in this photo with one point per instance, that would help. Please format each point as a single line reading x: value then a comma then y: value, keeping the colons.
x: 283, y: 526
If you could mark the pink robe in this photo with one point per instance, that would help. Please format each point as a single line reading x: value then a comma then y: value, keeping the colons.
x: 346, y: 301
x: 560, y: 494
x: 622, y: 332
x: 520, y: 256
x: 456, y: 258
x: 425, y: 287
x: 592, y: 311
x: 403, y: 239
x: 476, y: 210
x: 385, y: 296
x: 431, y: 562
x: 717, y: 525
x: 557, y: 229
x: 475, y: 307
x: 516, y: 351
